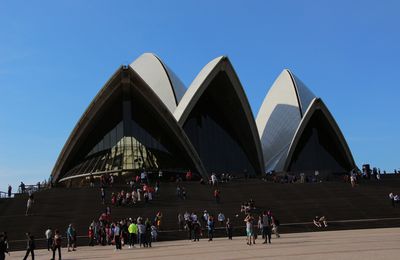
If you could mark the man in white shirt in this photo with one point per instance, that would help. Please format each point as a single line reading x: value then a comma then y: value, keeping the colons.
x: 214, y: 180
x: 49, y: 237
x: 205, y: 216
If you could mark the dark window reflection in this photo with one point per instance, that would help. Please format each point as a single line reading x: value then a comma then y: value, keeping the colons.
x: 319, y: 148
x: 219, y: 130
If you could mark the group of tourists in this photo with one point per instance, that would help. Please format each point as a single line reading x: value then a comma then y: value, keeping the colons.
x: 265, y: 225
x: 206, y: 224
x: 181, y: 192
x: 53, y: 239
x: 105, y: 231
x: 128, y: 231
x: 219, y: 178
x: 320, y: 222
x: 105, y: 180
x: 248, y: 206
x: 139, y: 193
x: 194, y: 224
x: 394, y: 199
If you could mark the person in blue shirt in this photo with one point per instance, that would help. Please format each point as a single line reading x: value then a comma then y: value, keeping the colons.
x: 71, y: 236
x: 117, y: 237
x: 210, y: 228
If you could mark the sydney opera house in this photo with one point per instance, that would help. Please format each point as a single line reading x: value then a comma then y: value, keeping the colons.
x: 145, y: 118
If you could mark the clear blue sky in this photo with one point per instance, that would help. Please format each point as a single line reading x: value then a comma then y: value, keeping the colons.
x: 56, y: 55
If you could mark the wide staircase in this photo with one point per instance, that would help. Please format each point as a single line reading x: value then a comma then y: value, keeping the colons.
x: 365, y: 206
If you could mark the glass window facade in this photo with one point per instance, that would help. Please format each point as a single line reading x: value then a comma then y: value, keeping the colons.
x: 319, y: 148
x: 128, y: 135
x: 219, y: 130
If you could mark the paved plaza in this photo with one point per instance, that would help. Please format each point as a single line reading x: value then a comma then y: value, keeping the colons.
x: 350, y: 244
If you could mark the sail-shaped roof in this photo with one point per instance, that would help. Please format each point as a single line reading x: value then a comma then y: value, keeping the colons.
x: 216, y: 100
x: 114, y: 103
x: 279, y: 116
x: 161, y: 79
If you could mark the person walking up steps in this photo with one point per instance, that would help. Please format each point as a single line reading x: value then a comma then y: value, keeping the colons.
x: 29, y: 205
x: 103, y: 195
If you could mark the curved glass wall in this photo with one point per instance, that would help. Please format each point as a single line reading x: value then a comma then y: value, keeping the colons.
x: 130, y: 135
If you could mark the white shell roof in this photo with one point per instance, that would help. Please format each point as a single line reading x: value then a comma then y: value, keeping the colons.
x: 161, y: 79
x: 279, y: 117
x: 194, y: 88
x: 304, y: 93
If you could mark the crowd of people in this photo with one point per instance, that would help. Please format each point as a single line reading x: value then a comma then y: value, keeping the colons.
x: 264, y: 225
x: 205, y: 224
x: 248, y: 206
x: 144, y: 231
x: 129, y: 231
x: 139, y: 190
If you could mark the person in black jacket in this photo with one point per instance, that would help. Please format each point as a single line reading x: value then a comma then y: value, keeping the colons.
x: 3, y: 247
x: 30, y: 246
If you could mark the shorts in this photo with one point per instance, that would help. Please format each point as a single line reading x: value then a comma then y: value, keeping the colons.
x: 249, y: 233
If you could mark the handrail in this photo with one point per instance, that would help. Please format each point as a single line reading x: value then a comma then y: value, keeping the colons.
x: 27, y: 189
x: 4, y: 194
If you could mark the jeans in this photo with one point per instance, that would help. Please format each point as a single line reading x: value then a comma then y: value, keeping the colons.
x: 118, y: 242
x: 31, y: 251
x: 132, y: 238
x: 267, y: 234
x: 54, y: 252
x: 210, y: 234
x: 49, y: 243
